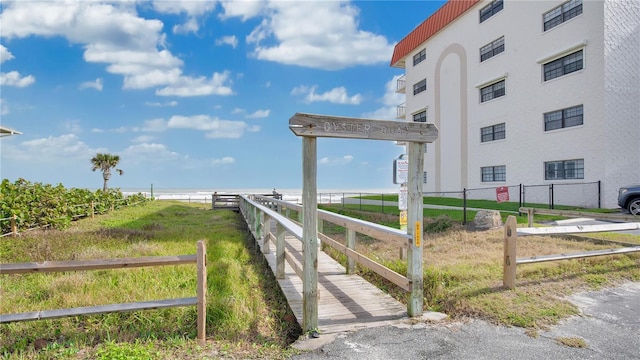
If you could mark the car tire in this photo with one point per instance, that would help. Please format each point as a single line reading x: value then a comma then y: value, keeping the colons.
x: 634, y: 206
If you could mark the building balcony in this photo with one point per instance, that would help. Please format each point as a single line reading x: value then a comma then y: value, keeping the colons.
x: 401, y: 111
x: 401, y: 84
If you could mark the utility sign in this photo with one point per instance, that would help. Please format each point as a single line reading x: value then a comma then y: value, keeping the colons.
x: 502, y: 194
x: 400, y: 170
x: 402, y: 198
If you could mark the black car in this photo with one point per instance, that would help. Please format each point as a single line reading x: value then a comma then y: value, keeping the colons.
x: 629, y: 198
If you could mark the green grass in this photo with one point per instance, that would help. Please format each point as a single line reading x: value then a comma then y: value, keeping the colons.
x: 246, y: 313
x: 463, y: 270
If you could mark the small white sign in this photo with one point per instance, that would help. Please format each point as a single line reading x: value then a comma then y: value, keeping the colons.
x: 401, y: 171
x: 402, y: 198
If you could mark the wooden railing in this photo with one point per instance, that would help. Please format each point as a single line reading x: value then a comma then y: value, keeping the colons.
x: 511, y: 233
x: 571, y: 213
x: 61, y: 266
x: 260, y: 211
x: 352, y: 226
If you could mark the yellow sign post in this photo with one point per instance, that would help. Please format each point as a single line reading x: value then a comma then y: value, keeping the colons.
x: 403, y: 220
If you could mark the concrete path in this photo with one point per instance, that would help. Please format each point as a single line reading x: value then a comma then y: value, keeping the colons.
x: 609, y: 326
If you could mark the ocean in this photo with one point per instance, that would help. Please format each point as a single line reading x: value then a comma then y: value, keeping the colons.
x: 203, y: 195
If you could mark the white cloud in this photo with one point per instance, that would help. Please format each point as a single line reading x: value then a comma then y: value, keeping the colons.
x: 161, y: 104
x: 186, y: 86
x: 228, y: 40
x: 268, y: 84
x: 336, y: 95
x: 191, y: 26
x: 155, y: 125
x: 114, y: 34
x: 241, y: 8
x: 5, y: 54
x: 390, y: 100
x: 149, y: 152
x: 57, y: 149
x: 224, y: 160
x: 258, y: 114
x: 143, y: 139
x: 214, y: 127
x: 4, y: 109
x: 97, y: 84
x: 13, y: 78
x: 316, y: 34
x: 72, y: 126
x: 238, y: 111
x: 191, y: 8
x: 336, y: 161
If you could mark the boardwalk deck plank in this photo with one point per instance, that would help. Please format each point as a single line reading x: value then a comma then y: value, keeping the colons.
x: 347, y: 302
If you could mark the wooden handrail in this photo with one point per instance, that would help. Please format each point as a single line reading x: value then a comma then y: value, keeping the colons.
x: 511, y: 232
x: 84, y: 265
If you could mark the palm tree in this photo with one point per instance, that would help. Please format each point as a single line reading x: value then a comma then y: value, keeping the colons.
x: 105, y: 162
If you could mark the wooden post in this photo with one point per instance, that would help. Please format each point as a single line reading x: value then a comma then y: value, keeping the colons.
x: 351, y: 244
x: 14, y: 226
x: 92, y: 209
x: 415, y: 216
x: 309, y: 235
x: 509, y: 263
x: 201, y: 264
x: 280, y: 232
x: 266, y: 237
x: 530, y: 217
x: 416, y: 134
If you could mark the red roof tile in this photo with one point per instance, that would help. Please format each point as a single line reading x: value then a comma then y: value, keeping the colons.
x: 436, y: 22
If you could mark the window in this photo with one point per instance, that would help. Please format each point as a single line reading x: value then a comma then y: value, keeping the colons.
x: 492, y: 91
x: 490, y: 10
x: 563, y: 118
x: 563, y: 66
x: 492, y: 49
x: 420, y: 117
x: 420, y: 86
x: 419, y: 57
x: 562, y: 13
x: 494, y: 132
x: 494, y: 173
x: 564, y: 170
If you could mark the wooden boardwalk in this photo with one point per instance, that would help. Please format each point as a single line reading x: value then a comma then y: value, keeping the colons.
x: 347, y: 302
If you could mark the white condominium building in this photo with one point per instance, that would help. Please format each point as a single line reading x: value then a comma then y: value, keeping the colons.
x: 527, y: 92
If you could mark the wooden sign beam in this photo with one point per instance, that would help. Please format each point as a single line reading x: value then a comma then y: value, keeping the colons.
x: 356, y: 128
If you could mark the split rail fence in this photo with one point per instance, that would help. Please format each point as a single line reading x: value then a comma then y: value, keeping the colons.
x: 511, y: 233
x: 120, y: 263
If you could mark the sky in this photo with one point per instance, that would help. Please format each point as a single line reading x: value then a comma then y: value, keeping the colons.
x: 197, y: 94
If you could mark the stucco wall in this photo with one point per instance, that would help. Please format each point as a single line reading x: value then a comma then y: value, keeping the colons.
x: 454, y: 74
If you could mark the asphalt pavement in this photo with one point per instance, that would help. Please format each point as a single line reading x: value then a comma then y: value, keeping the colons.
x: 608, y: 327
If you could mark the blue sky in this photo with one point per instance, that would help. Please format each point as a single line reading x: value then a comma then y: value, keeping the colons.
x: 197, y: 94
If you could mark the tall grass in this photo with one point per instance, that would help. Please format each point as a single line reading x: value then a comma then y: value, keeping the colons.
x: 245, y: 312
x: 463, y: 270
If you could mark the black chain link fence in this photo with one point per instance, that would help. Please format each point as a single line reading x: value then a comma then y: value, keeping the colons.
x: 583, y: 195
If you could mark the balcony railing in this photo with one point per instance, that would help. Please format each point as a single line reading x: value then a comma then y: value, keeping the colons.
x: 401, y: 84
x: 401, y: 111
